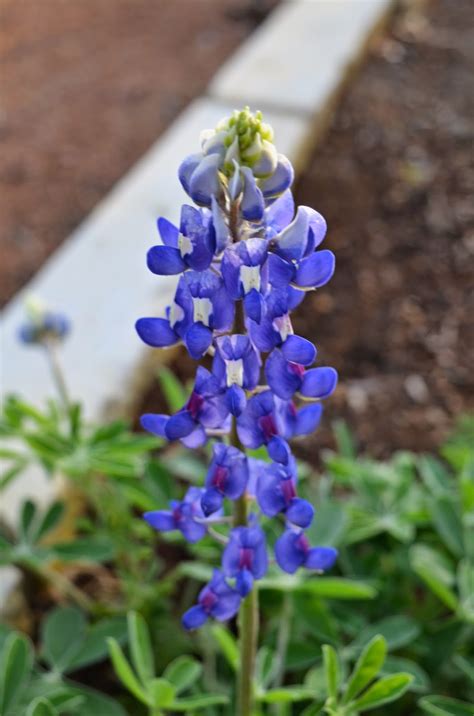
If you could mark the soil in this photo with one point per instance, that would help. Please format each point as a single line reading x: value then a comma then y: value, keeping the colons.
x: 86, y: 88
x: 393, y: 178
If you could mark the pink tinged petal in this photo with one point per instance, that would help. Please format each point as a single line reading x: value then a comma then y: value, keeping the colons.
x: 162, y: 520
x: 299, y: 350
x: 169, y: 232
x: 156, y: 332
x: 316, y: 270
x: 320, y: 558
x: 319, y: 382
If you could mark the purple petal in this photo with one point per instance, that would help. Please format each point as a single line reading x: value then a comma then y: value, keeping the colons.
x: 299, y: 350
x: 154, y: 423
x: 192, y: 531
x: 281, y: 272
x: 318, y: 228
x: 254, y: 305
x: 195, y: 439
x: 169, y: 232
x: 281, y: 212
x: 186, y: 169
x: 180, y: 425
x: 204, y: 182
x: 220, y: 227
x: 287, y: 553
x: 252, y: 205
x: 321, y: 558
x: 319, y: 382
x: 156, y: 332
x: 290, y: 244
x: 194, y: 618
x: 235, y: 400
x: 279, y: 450
x: 307, y: 419
x: 211, y: 501
x: 280, y: 180
x: 226, y: 606
x: 316, y: 270
x: 198, y: 338
x: 165, y: 261
x: 300, y: 512
x: 282, y: 380
x: 162, y: 520
x: 244, y: 582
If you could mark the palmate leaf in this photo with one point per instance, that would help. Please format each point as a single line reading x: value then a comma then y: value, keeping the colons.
x: 16, y: 660
x: 436, y: 571
x: 62, y: 635
x: 183, y: 672
x: 125, y: 672
x: 367, y: 667
x: 332, y: 670
x: 140, y: 647
x: 383, y: 691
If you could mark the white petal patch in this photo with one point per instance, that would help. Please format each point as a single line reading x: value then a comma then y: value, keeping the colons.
x: 234, y: 371
x: 202, y: 310
x: 283, y: 326
x: 185, y: 245
x: 176, y: 314
x: 250, y: 277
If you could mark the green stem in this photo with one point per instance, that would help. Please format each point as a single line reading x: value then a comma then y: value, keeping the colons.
x: 59, y: 380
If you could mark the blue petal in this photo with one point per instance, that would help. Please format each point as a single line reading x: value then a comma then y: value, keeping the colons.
x: 231, y: 556
x: 192, y: 531
x: 318, y: 228
x: 162, y: 520
x: 169, y: 232
x: 321, y: 558
x: 300, y: 512
x: 281, y: 212
x: 290, y: 244
x: 299, y: 350
x: 254, y: 304
x: 235, y: 400
x: 281, y: 379
x: 316, y: 270
x: 307, y: 419
x: 287, y: 554
x: 244, y: 582
x: 226, y: 606
x: 220, y: 227
x: 180, y: 425
x: 222, y: 310
x: 280, y: 180
x: 319, y: 382
x: 195, y: 439
x: 278, y: 450
x: 194, y: 618
x: 186, y: 169
x: 211, y: 501
x: 198, y: 339
x: 281, y: 272
x: 252, y: 205
x: 204, y: 182
x: 165, y: 261
x: 154, y: 423
x: 156, y: 332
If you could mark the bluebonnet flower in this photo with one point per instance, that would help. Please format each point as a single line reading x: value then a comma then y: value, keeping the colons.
x: 237, y: 367
x: 227, y: 477
x: 205, y: 410
x: 216, y: 600
x: 292, y: 550
x: 246, y: 252
x: 276, y: 492
x: 191, y: 246
x: 245, y: 557
x: 185, y: 516
x: 42, y: 324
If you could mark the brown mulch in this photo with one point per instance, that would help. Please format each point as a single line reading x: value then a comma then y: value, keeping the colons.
x: 394, y: 179
x: 86, y: 87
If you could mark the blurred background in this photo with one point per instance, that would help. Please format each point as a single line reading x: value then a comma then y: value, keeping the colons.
x: 88, y: 85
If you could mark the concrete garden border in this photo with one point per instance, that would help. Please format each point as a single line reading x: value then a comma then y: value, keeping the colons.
x: 293, y: 68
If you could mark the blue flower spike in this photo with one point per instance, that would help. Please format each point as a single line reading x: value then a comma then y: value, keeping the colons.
x: 244, y: 259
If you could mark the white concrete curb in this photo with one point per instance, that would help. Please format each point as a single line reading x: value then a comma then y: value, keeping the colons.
x: 292, y: 67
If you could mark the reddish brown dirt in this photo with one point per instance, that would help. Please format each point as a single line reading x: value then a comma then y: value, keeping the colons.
x: 395, y: 179
x: 86, y: 87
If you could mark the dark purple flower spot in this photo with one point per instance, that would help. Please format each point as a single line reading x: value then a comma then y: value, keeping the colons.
x: 296, y: 368
x: 194, y: 404
x: 267, y: 426
x: 245, y: 558
x: 207, y: 600
x: 303, y: 543
x: 288, y: 490
x: 220, y: 477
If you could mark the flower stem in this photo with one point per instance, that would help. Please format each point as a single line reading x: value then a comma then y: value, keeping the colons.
x: 58, y: 377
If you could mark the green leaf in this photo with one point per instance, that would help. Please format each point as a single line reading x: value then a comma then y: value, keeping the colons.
x: 62, y: 636
x: 16, y: 660
x: 436, y: 572
x: 265, y: 665
x: 174, y: 391
x: 125, y: 673
x: 445, y: 706
x: 286, y: 695
x: 93, y: 702
x: 193, y: 703
x: 367, y: 667
x: 447, y: 520
x: 183, y: 672
x: 344, y: 439
x: 94, y: 647
x: 338, y: 588
x: 140, y: 647
x: 27, y: 516
x: 397, y: 631
x: 465, y: 579
x: 161, y: 693
x: 331, y: 525
x: 332, y: 670
x: 50, y: 519
x: 395, y: 664
x: 86, y: 549
x: 227, y: 644
x: 385, y: 690
x: 41, y: 707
